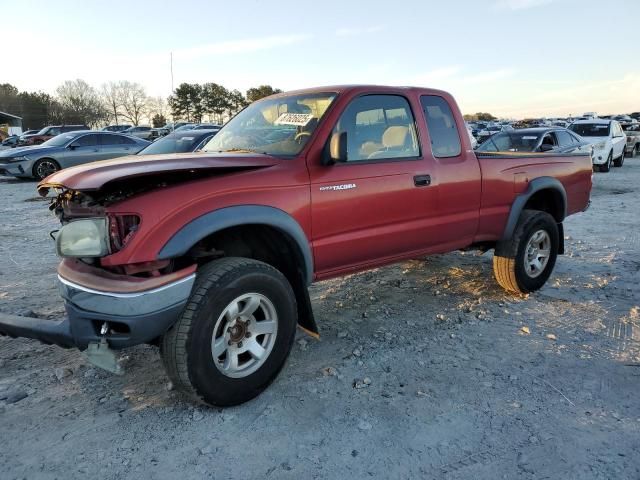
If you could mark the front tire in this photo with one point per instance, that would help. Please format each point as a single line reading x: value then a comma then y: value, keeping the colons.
x: 524, y: 263
x: 235, y: 333
x: 620, y: 160
x: 605, y: 167
x: 45, y: 167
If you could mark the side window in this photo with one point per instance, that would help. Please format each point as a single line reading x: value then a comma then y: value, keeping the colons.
x: 126, y: 141
x: 106, y: 139
x: 379, y: 127
x: 86, y: 141
x: 564, y: 138
x: 54, y: 131
x: 445, y: 141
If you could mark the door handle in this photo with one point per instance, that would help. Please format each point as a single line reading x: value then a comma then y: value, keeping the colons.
x: 422, y: 180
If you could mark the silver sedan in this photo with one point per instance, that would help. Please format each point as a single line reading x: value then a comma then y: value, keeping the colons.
x: 67, y: 150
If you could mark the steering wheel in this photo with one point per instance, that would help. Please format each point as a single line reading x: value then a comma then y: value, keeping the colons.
x: 298, y: 137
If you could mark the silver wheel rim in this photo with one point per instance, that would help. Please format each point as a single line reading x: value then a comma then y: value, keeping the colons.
x: 46, y: 168
x: 244, y: 335
x: 537, y: 253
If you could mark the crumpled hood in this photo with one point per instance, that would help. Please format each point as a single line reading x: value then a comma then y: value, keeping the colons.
x: 23, y: 151
x: 93, y: 176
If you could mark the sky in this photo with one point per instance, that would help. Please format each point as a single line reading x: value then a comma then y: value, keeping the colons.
x: 512, y: 58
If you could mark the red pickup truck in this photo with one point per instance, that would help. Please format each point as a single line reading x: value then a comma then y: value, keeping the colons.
x: 209, y: 255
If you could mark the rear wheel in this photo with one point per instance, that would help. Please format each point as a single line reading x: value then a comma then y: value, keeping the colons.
x: 634, y: 152
x: 234, y: 334
x: 45, y: 167
x: 523, y: 263
x: 620, y: 160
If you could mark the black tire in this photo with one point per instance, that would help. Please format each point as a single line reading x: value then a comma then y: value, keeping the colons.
x: 605, y: 167
x: 634, y: 152
x: 618, y: 162
x: 509, y: 257
x: 45, y: 167
x: 186, y: 349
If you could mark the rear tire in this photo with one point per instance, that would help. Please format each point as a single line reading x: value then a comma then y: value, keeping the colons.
x: 215, y: 352
x: 634, y: 152
x: 524, y: 263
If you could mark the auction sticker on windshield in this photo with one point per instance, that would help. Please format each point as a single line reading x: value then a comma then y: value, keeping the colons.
x: 297, y: 119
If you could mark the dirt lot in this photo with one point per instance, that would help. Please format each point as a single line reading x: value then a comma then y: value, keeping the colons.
x: 435, y: 372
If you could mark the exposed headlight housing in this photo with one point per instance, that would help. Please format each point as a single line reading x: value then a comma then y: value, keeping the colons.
x: 17, y: 159
x: 86, y: 238
x: 600, y: 146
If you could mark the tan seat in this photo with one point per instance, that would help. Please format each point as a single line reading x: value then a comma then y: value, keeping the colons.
x: 393, y: 138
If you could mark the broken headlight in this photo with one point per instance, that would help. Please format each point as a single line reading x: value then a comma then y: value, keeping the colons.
x: 83, y: 238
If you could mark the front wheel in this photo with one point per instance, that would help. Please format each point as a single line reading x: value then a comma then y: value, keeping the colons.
x: 620, y: 160
x: 45, y: 167
x: 234, y: 334
x: 524, y: 263
x: 605, y: 167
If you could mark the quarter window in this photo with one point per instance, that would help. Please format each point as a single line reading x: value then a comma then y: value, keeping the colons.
x: 379, y: 127
x: 445, y: 140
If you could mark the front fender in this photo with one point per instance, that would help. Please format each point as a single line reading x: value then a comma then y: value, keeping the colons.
x: 218, y: 220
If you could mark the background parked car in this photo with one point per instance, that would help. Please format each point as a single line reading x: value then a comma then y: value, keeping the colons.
x: 10, y: 142
x: 606, y: 137
x: 116, y: 128
x: 632, y: 131
x: 491, y: 130
x: 143, y: 131
x: 179, y: 142
x: 49, y: 132
x: 67, y: 150
x: 540, y: 139
x: 207, y: 126
x: 29, y: 132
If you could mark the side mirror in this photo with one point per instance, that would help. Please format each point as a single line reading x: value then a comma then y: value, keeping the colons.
x: 545, y: 147
x: 337, y: 148
x: 72, y: 146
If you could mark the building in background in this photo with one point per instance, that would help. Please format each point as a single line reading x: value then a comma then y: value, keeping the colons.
x: 10, y: 124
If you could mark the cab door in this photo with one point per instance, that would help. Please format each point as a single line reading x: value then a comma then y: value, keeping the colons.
x: 83, y: 149
x: 379, y: 203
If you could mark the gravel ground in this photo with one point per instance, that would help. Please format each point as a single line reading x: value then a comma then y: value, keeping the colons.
x: 425, y: 369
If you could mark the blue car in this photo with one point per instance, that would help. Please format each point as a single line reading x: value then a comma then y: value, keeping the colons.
x: 67, y: 150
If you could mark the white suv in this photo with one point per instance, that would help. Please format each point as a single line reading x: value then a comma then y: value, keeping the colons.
x: 607, y: 139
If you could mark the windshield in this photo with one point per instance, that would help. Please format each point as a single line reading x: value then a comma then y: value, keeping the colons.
x: 278, y: 126
x: 632, y: 127
x: 59, y: 141
x: 174, y: 143
x: 590, y: 129
x: 510, y: 142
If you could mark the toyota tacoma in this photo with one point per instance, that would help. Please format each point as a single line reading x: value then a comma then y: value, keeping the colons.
x: 209, y: 255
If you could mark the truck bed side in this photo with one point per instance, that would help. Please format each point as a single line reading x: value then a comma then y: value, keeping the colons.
x: 506, y: 176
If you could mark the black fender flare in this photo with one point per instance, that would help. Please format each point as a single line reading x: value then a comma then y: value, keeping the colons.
x: 535, y: 185
x: 218, y: 220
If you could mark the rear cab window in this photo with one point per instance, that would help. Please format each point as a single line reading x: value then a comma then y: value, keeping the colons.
x: 441, y: 125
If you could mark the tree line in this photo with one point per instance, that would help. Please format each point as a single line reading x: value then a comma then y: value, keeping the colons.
x: 77, y: 102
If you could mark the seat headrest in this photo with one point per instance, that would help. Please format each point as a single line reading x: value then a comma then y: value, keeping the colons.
x: 395, y: 136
